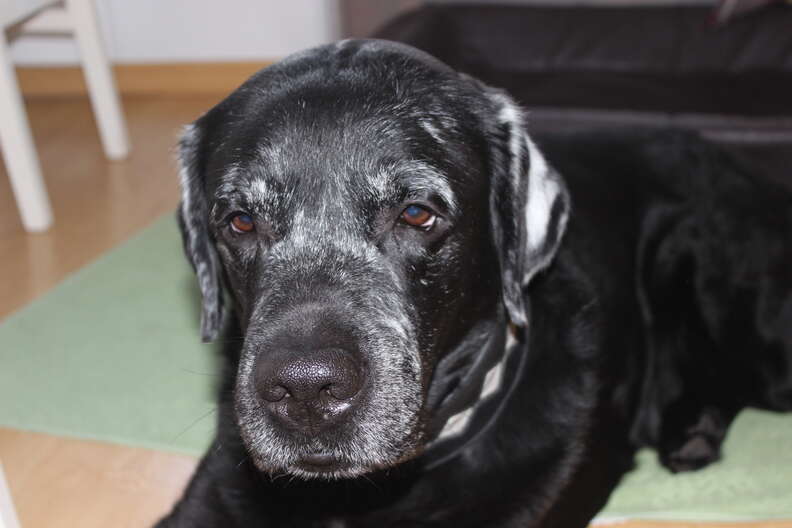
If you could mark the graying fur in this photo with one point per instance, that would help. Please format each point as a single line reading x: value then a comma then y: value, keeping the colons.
x: 386, y: 428
x: 199, y: 249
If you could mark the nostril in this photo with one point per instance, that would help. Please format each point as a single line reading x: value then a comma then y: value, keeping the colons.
x: 343, y: 391
x: 327, y: 391
x: 273, y: 393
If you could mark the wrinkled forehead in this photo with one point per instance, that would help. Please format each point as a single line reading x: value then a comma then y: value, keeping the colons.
x: 310, y: 150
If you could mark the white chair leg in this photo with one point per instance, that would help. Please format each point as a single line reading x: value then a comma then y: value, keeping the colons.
x: 8, y: 516
x: 99, y: 77
x: 19, y: 152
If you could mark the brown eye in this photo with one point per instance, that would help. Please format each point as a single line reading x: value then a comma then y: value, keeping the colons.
x: 242, y: 223
x: 418, y: 216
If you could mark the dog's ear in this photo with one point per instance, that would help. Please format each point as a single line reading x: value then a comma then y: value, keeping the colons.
x: 529, y: 204
x: 193, y: 216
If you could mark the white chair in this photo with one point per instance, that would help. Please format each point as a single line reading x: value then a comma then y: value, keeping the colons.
x: 77, y: 17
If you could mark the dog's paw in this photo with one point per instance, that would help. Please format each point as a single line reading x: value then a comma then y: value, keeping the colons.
x: 698, y: 451
x: 695, y: 446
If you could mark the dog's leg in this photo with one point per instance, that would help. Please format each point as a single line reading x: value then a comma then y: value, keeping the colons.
x: 688, y: 404
x: 693, y: 406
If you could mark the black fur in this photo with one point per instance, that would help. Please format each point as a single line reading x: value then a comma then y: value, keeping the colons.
x: 666, y: 309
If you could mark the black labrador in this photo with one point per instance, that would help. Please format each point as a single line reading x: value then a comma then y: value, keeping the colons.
x: 433, y: 319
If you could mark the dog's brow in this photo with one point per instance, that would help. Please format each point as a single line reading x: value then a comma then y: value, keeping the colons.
x: 229, y: 182
x: 419, y: 177
x: 250, y: 188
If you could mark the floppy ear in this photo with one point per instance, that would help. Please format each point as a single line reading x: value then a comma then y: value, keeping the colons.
x: 193, y: 215
x: 529, y: 204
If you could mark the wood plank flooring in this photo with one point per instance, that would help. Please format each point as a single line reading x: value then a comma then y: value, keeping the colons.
x: 62, y: 482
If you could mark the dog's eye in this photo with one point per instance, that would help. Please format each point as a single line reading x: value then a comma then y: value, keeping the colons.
x: 242, y: 223
x: 417, y: 216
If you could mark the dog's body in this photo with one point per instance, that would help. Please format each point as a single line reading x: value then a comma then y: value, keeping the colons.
x: 649, y: 297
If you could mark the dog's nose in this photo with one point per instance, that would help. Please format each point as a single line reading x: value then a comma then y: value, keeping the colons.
x: 309, y: 391
x: 306, y: 376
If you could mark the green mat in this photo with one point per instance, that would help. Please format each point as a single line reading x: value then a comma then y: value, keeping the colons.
x: 113, y: 354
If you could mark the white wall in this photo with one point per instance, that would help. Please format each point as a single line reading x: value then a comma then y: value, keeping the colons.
x: 196, y: 30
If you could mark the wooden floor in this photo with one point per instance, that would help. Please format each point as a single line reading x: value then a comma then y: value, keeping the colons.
x: 61, y: 482
x: 65, y: 483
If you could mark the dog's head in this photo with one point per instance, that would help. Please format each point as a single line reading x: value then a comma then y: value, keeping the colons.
x: 367, y: 207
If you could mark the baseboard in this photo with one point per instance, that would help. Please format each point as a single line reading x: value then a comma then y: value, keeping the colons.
x: 186, y: 78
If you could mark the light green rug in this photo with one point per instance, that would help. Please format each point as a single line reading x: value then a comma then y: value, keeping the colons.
x: 113, y: 354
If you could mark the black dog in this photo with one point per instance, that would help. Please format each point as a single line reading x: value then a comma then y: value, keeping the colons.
x: 429, y: 326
